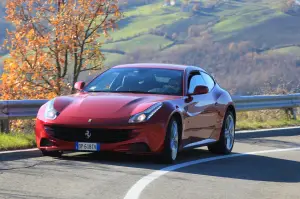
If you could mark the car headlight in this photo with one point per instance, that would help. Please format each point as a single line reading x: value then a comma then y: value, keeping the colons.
x: 145, y: 115
x: 50, y: 112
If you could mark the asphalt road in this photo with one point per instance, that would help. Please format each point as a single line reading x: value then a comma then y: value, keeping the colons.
x: 268, y: 174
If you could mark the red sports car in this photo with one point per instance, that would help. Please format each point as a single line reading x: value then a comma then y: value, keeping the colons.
x: 158, y: 109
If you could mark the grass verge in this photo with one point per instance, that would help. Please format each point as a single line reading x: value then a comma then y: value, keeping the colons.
x: 14, y: 141
x: 265, y: 119
x: 255, y: 125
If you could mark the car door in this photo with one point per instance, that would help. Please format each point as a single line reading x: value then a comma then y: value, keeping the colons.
x: 200, y: 110
x: 217, y: 119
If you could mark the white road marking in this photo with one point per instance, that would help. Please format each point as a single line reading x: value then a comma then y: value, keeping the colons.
x: 135, y: 191
x: 18, y: 151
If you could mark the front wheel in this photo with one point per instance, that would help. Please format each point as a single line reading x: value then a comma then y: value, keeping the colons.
x: 171, y: 143
x: 227, y: 137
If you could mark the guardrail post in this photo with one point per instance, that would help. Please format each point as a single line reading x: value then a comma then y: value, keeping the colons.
x: 291, y: 113
x: 294, y: 113
x: 4, y: 126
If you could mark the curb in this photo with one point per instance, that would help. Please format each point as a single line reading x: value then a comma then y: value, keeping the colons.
x: 263, y: 133
x: 272, y: 129
x: 19, y: 151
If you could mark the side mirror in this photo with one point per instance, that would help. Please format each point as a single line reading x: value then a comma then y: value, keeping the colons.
x: 199, y: 90
x: 79, y: 85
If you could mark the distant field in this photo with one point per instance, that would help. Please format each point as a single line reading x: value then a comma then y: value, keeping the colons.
x: 244, y: 15
x: 150, y: 41
x: 112, y: 58
x: 139, y: 25
x: 240, y: 21
x: 293, y: 50
x: 143, y: 18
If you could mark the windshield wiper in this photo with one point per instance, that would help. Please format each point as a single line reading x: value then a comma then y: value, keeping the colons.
x: 118, y: 91
x: 129, y: 92
x: 96, y: 91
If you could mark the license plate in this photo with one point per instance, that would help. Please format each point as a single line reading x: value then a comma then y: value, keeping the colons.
x: 84, y: 146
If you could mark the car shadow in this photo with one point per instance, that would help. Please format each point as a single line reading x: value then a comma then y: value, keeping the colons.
x: 20, y: 155
x: 131, y: 160
x: 120, y: 159
x: 271, y: 138
x: 249, y: 167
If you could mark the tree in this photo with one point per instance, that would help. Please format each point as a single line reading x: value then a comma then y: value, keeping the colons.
x: 54, y: 41
x: 196, y: 7
x: 174, y: 36
x: 290, y: 7
x: 211, y: 4
x: 167, y: 2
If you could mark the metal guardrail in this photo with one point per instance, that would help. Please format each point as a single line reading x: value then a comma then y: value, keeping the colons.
x: 20, y: 109
x: 264, y: 102
x: 26, y: 109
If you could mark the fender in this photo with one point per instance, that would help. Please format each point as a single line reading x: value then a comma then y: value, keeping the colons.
x: 223, y: 102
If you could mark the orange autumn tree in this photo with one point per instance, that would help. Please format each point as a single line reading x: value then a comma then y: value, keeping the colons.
x: 53, y: 42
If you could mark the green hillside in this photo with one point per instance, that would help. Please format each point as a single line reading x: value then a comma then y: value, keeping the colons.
x: 152, y: 31
x: 258, y: 21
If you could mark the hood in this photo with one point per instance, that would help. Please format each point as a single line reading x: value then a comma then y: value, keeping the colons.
x: 106, y: 105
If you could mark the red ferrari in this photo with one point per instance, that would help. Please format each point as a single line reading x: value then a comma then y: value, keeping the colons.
x: 157, y: 109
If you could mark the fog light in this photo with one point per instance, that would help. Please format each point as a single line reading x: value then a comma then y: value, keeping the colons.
x: 46, y: 142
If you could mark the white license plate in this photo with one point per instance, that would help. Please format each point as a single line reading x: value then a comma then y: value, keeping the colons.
x: 85, y: 146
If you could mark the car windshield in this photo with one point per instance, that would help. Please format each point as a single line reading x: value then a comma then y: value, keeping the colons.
x: 138, y: 80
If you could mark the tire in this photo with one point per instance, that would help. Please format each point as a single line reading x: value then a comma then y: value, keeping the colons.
x: 171, y: 143
x: 227, y: 137
x: 52, y: 153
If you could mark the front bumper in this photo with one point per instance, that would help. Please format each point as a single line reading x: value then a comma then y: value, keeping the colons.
x: 143, y: 139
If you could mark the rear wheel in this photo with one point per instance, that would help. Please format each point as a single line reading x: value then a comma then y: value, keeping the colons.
x: 171, y: 143
x: 52, y: 153
x: 227, y: 137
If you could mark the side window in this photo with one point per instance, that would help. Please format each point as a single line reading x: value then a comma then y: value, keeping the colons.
x: 195, y: 80
x: 209, y: 81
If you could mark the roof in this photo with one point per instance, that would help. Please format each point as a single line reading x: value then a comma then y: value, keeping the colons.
x: 157, y: 65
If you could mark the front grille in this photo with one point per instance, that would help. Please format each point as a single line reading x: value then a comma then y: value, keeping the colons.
x: 96, y: 135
